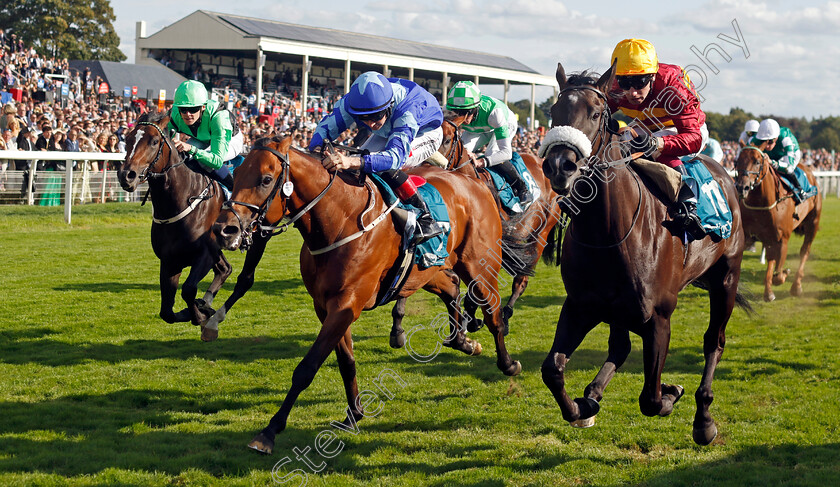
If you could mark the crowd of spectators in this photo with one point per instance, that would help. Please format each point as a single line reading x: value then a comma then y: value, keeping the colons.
x: 818, y: 159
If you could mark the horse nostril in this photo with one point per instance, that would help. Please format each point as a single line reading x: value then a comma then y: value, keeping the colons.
x: 229, y: 231
x: 568, y: 166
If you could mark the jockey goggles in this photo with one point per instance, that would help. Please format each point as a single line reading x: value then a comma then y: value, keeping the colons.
x: 189, y: 109
x: 633, y: 81
x: 373, y: 117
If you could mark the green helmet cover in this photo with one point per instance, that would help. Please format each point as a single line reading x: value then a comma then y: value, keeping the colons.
x: 190, y: 93
x: 463, y: 95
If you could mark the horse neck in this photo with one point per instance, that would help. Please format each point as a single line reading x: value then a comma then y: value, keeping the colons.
x: 608, y: 216
x: 172, y: 190
x: 336, y: 215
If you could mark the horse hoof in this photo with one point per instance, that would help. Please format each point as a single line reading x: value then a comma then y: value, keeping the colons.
x: 397, y: 341
x: 474, y: 325
x: 209, y: 334
x: 514, y: 369
x: 769, y: 297
x: 583, y: 423
x: 262, y: 444
x: 796, y: 291
x: 704, y: 436
x: 476, y: 349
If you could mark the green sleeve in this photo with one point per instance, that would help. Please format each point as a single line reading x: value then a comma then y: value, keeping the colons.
x: 220, y: 134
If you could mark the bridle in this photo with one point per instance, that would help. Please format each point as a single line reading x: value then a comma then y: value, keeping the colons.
x: 456, y: 149
x: 147, y: 171
x: 763, y: 169
x: 602, y: 136
x: 762, y: 172
x: 284, y: 182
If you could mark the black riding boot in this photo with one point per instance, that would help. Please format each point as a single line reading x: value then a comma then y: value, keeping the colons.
x: 795, y: 186
x: 519, y: 187
x: 427, y: 227
x: 686, y: 208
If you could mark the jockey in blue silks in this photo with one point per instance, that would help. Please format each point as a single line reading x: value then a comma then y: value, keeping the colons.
x: 405, y: 120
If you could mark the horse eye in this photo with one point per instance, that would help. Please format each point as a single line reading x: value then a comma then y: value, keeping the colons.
x: 155, y: 141
x: 266, y: 180
x: 596, y: 116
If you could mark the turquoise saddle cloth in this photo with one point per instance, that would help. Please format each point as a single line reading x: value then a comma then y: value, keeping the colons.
x: 808, y: 189
x: 712, y: 207
x: 432, y: 252
x: 510, y: 202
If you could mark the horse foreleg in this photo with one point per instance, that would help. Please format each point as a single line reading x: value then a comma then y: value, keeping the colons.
x: 169, y: 276
x: 221, y: 271
x: 780, y: 276
x: 347, y: 368
x: 520, y: 283
x: 335, y: 325
x: 772, y: 259
x: 572, y: 326
x: 619, y: 349
x: 446, y: 286
x: 804, y: 252
x: 469, y: 320
x: 722, y: 294
x: 397, y: 338
x: 199, y: 268
x: 243, y: 283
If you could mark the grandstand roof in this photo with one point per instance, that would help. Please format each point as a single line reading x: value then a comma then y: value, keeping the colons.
x: 120, y: 75
x: 338, y: 38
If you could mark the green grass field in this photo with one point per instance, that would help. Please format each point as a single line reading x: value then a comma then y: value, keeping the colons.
x: 96, y: 390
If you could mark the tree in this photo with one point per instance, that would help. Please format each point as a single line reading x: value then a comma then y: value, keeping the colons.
x: 73, y: 29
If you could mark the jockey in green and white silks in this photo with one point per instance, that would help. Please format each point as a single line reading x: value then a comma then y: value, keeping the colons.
x: 213, y: 139
x: 782, y: 148
x: 490, y: 125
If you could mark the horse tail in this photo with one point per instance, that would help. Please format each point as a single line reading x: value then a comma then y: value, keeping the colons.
x: 743, y: 297
x: 551, y: 252
x: 519, y: 256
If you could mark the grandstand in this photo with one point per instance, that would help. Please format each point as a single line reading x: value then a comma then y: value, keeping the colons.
x: 235, y: 51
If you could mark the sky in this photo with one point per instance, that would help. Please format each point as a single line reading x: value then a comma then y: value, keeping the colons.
x: 766, y: 57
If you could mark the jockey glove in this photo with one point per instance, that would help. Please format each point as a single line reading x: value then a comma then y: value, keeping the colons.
x: 644, y: 143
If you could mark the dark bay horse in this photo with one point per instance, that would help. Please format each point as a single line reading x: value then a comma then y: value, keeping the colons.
x: 621, y: 266
x: 186, y: 205
x: 345, y: 256
x: 771, y: 214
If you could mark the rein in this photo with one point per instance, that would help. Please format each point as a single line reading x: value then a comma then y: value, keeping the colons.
x: 148, y: 173
x: 602, y: 137
x: 456, y: 148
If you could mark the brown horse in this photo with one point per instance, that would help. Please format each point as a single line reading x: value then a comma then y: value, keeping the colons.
x: 771, y: 214
x: 620, y: 265
x: 186, y: 205
x: 346, y: 256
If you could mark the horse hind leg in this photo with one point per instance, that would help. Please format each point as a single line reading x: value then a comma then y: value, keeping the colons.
x: 397, y: 337
x: 446, y: 286
x: 483, y: 288
x: 204, y: 309
x: 657, y: 398
x: 520, y: 283
x: 722, y: 295
x: 619, y: 349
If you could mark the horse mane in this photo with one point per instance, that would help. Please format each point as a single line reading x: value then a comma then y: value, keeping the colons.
x: 153, y: 117
x: 583, y: 78
x: 449, y: 115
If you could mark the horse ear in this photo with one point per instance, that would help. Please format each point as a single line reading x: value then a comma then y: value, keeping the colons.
x: 606, y: 80
x: 561, y: 76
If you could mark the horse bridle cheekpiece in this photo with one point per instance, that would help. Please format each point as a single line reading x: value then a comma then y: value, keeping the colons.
x: 284, y: 182
x: 147, y: 172
x: 761, y: 173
